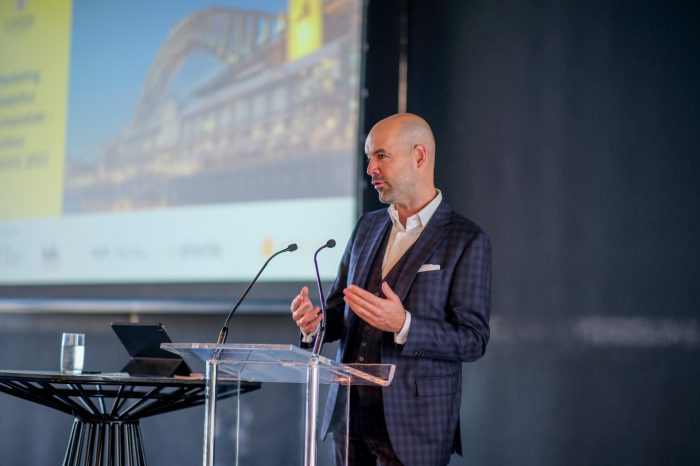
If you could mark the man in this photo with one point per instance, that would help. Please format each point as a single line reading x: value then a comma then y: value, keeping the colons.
x: 413, y: 289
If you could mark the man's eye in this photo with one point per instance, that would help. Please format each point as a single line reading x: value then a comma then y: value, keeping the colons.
x: 376, y: 156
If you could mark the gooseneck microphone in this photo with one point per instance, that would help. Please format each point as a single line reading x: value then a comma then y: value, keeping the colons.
x: 318, y: 343
x: 224, y: 331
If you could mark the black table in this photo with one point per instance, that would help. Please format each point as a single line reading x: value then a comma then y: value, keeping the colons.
x: 107, y: 408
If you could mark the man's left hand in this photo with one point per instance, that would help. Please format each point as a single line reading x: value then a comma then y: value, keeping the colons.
x: 386, y: 314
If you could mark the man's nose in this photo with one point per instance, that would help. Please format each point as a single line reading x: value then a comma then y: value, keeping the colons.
x: 372, y: 168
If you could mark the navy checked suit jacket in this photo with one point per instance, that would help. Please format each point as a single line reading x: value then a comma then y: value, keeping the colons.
x: 450, y: 311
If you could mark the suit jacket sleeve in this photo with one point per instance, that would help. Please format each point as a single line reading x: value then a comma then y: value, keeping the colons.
x: 461, y: 331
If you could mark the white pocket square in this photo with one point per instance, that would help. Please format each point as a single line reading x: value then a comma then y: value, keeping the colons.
x: 428, y: 267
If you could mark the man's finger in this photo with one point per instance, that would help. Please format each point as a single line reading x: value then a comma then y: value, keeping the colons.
x: 388, y: 292
x: 311, y: 319
x: 307, y: 322
x: 315, y: 316
x: 362, y: 308
x: 301, y: 311
x: 311, y: 326
x: 299, y: 299
x: 362, y: 312
x: 365, y: 295
x: 358, y: 301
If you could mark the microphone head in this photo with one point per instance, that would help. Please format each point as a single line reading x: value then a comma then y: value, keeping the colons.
x: 330, y: 243
x: 292, y: 247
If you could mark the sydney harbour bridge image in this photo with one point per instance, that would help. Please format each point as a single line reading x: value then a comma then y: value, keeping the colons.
x: 276, y: 120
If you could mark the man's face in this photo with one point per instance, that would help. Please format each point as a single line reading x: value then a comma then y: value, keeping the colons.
x: 390, y: 164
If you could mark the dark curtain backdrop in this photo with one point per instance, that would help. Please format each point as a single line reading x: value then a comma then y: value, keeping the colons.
x: 569, y: 131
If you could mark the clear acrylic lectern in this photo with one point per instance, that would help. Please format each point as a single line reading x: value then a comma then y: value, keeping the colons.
x: 278, y: 364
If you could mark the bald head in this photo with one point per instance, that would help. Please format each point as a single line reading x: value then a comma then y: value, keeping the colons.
x: 410, y: 130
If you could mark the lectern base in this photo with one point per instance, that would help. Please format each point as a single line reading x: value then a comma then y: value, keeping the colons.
x: 109, y: 443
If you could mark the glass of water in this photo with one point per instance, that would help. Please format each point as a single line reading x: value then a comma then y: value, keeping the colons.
x: 72, y: 353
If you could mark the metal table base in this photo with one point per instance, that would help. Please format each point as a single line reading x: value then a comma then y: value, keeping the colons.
x: 105, y: 443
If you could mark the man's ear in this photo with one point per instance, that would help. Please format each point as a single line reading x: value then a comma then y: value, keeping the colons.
x: 420, y: 155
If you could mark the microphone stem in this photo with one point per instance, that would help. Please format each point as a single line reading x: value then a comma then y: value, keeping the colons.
x: 318, y: 342
x: 224, y: 331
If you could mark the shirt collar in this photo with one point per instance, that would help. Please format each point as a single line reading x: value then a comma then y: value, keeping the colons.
x: 419, y: 219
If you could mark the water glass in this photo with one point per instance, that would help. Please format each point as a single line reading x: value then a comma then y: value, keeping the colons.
x: 72, y: 353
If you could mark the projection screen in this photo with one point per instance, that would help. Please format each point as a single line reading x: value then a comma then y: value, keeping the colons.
x: 176, y: 142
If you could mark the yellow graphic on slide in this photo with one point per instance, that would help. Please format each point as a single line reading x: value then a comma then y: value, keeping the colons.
x: 34, y: 57
x: 305, y: 28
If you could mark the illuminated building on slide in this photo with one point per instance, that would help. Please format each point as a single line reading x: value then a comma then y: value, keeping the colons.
x: 277, y: 120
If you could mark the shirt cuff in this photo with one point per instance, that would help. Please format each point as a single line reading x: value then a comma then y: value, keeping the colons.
x: 401, y: 337
x: 308, y: 338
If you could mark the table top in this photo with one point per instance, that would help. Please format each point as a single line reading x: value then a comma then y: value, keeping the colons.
x: 110, y: 396
x: 98, y: 377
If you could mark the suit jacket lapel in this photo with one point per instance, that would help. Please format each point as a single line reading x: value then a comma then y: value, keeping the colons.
x: 431, y: 236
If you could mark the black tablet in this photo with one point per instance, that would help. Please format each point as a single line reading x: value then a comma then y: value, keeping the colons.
x: 142, y: 341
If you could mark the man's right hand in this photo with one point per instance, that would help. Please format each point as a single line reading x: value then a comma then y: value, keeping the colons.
x: 306, y: 316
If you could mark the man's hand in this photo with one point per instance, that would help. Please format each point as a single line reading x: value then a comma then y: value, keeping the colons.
x: 385, y: 314
x: 306, y: 316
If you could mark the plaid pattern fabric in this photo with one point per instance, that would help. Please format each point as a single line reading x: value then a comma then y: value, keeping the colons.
x: 369, y: 442
x: 368, y: 434
x: 450, y: 310
x: 366, y: 341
